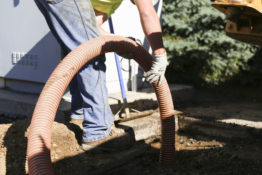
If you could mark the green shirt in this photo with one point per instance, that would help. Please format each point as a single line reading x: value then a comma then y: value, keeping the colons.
x: 106, y: 6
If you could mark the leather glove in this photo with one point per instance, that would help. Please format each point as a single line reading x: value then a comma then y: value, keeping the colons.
x: 130, y: 55
x: 157, y: 71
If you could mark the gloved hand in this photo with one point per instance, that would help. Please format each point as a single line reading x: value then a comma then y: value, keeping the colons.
x: 157, y: 71
x: 130, y: 55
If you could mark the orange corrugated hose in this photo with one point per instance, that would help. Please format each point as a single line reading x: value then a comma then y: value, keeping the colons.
x: 39, y: 139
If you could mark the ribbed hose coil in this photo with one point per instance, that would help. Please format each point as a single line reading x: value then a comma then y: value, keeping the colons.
x: 40, y: 131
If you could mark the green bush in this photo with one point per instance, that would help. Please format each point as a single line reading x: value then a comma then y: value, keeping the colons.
x: 198, y: 48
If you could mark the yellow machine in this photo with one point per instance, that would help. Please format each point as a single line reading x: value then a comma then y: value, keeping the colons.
x: 244, y: 19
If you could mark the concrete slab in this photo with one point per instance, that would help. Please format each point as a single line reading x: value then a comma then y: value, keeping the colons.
x: 17, y: 104
x: 144, y: 127
x: 221, y: 116
x: 219, y: 128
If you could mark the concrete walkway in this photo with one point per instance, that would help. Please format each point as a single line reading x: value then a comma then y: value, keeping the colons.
x: 19, y: 105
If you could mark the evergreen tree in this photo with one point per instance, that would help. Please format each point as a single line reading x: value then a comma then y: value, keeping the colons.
x: 199, y: 50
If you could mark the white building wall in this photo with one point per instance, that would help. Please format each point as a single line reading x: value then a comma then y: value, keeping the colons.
x: 29, y: 52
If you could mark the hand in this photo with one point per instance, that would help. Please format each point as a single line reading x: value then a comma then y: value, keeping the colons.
x: 157, y: 71
x: 130, y: 55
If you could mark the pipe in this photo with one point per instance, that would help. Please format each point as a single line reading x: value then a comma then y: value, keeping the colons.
x: 40, y: 131
x: 120, y: 76
x: 118, y: 66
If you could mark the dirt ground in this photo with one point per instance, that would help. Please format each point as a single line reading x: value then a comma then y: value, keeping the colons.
x: 196, y: 153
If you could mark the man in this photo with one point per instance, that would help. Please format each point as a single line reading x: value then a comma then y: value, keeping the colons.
x: 73, y: 22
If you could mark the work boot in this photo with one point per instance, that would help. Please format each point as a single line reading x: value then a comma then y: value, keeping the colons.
x: 117, y: 140
x: 77, y: 122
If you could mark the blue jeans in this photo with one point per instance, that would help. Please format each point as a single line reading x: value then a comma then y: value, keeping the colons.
x: 73, y: 22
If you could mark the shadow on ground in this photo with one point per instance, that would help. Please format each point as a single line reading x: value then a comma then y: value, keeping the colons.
x: 196, y: 152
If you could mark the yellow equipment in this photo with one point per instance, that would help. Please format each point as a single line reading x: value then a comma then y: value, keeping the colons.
x: 244, y: 19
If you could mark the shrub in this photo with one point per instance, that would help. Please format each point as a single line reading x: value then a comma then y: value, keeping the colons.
x: 198, y: 48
